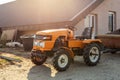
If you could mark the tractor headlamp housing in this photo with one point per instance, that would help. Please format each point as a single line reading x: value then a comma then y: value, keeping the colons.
x: 42, y: 37
x: 39, y: 40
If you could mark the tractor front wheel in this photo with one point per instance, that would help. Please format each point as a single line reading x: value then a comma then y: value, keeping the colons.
x: 38, y: 60
x: 61, y: 60
x: 92, y: 54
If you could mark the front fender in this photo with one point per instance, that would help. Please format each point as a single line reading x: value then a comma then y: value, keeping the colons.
x: 69, y: 51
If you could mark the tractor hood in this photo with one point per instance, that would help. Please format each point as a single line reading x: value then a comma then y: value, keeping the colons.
x: 56, y: 32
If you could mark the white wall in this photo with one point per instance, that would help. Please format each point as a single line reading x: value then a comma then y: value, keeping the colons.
x: 102, y: 16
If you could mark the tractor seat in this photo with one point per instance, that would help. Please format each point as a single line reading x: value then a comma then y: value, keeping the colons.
x: 87, y: 34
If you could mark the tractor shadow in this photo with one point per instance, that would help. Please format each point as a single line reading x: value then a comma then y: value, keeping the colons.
x: 47, y: 72
x: 77, y: 70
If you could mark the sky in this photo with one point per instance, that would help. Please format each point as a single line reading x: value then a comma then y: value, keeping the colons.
x: 5, y: 1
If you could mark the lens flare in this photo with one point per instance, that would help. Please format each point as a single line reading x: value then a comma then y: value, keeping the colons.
x: 5, y: 1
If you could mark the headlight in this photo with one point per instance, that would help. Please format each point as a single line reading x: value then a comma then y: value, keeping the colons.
x: 41, y: 44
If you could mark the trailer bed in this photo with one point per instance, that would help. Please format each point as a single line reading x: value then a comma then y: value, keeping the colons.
x: 110, y: 40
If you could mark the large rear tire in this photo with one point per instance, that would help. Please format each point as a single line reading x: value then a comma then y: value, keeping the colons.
x: 92, y: 54
x: 61, y: 60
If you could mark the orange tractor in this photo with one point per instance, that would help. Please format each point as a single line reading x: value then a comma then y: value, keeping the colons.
x: 61, y: 44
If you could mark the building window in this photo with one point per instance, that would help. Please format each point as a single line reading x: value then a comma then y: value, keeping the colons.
x: 112, y: 21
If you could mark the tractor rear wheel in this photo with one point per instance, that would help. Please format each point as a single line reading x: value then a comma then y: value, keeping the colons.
x: 92, y: 54
x: 61, y: 60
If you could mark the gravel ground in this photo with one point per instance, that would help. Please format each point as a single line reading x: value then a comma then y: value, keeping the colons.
x: 107, y: 69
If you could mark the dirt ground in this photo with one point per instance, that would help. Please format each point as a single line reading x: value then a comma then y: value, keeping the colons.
x: 107, y: 69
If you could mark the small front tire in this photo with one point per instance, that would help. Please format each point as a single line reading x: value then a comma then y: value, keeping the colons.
x: 38, y: 60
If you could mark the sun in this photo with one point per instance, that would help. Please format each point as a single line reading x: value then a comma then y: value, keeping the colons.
x: 5, y: 1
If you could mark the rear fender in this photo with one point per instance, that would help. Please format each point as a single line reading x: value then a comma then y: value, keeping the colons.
x: 97, y: 41
x: 88, y: 41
